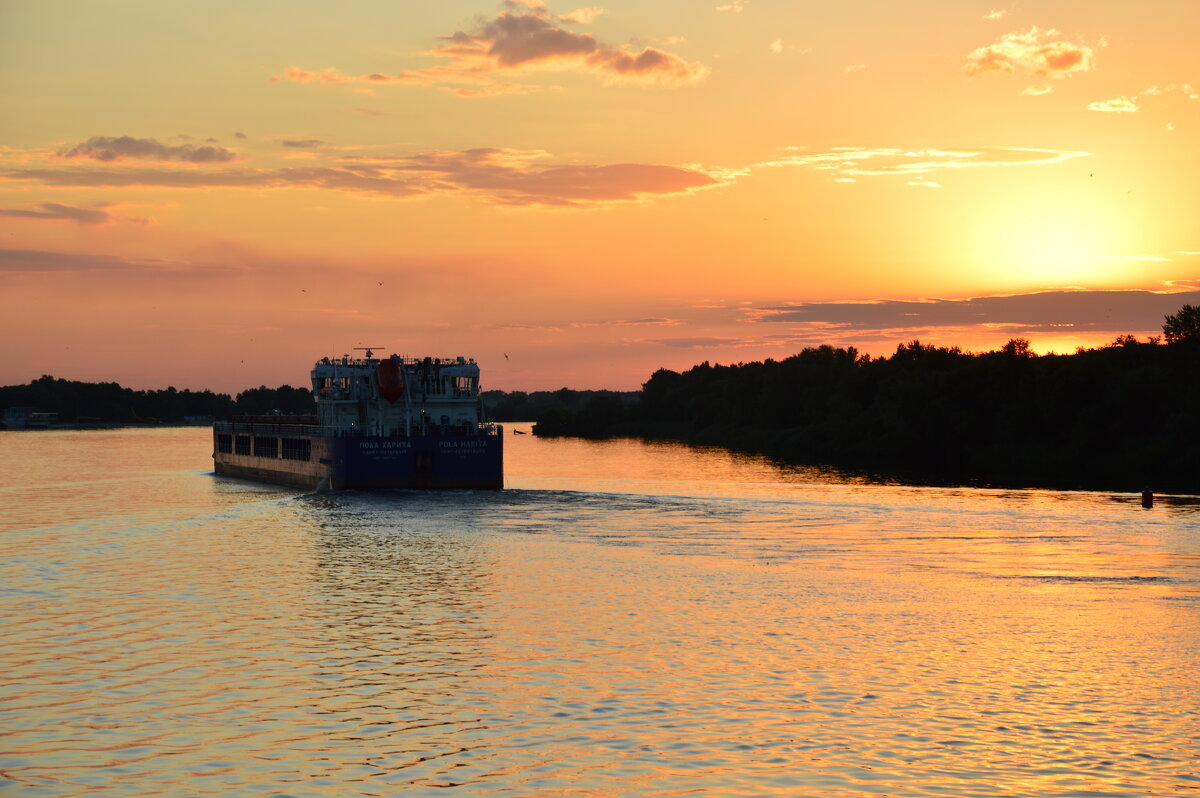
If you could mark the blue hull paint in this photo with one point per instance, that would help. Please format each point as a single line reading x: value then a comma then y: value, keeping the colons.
x: 417, y: 462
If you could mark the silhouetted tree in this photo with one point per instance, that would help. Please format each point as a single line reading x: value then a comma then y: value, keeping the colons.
x: 1017, y: 347
x: 284, y: 399
x: 1182, y: 326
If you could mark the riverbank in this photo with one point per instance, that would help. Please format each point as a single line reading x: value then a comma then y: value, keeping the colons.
x: 1119, y: 418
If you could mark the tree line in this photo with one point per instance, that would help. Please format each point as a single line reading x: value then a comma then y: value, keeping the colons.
x: 1115, y: 417
x: 522, y: 406
x: 110, y: 403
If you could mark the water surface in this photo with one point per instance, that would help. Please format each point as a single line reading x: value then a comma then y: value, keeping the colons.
x: 625, y: 619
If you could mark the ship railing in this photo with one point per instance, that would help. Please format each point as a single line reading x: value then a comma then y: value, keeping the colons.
x: 243, y: 428
x: 298, y: 430
x: 405, y: 360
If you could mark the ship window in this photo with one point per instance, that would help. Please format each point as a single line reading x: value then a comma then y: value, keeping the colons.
x: 297, y: 449
x: 266, y: 447
x: 464, y: 386
x: 241, y: 444
x: 225, y: 443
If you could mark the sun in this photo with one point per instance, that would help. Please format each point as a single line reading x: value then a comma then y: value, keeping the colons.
x: 1052, y: 245
x: 1056, y: 249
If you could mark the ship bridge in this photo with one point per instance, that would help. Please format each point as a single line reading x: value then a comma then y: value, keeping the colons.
x: 399, y: 395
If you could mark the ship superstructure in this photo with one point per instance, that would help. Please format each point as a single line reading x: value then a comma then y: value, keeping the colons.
x: 393, y: 422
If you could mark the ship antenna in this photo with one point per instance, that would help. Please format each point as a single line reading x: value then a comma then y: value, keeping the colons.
x: 367, y: 349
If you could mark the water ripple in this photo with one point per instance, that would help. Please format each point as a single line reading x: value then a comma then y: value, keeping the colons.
x: 171, y: 633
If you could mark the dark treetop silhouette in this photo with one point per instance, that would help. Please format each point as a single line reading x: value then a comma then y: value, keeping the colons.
x: 1116, y: 417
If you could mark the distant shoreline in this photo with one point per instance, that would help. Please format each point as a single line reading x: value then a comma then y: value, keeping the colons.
x: 104, y: 425
x: 1119, y: 418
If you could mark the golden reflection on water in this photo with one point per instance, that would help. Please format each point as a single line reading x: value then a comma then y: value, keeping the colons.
x: 626, y: 619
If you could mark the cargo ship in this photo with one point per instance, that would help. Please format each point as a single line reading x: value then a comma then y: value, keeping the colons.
x: 391, y: 422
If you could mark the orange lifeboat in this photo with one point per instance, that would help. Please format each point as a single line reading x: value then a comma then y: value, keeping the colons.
x: 390, y: 379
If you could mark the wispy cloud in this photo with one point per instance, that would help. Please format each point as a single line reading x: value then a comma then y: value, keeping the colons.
x: 1119, y: 105
x: 736, y: 6
x: 1096, y: 312
x: 35, y: 260
x: 848, y: 163
x: 513, y: 177
x: 1036, y: 51
x: 582, y: 16
x: 121, y: 148
x: 498, y: 175
x: 524, y: 37
x: 1129, y: 105
x: 700, y: 342
x: 653, y: 321
x: 996, y: 13
x: 53, y: 211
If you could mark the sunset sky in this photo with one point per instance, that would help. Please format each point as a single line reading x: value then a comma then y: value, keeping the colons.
x: 216, y: 195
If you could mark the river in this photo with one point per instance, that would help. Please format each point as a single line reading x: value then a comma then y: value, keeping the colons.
x: 624, y: 619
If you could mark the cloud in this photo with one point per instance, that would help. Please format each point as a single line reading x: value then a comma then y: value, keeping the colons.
x: 854, y: 68
x: 696, y: 342
x: 524, y: 37
x: 1129, y: 105
x: 1037, y: 90
x: 57, y: 212
x: 653, y: 321
x: 302, y: 143
x: 517, y: 41
x: 510, y: 177
x: 1079, y: 312
x: 1119, y: 105
x: 501, y: 176
x: 366, y: 181
x: 736, y: 6
x: 848, y: 163
x: 120, y: 148
x: 582, y: 16
x: 776, y: 46
x: 995, y: 14
x: 34, y: 260
x: 1034, y: 51
x: 525, y: 177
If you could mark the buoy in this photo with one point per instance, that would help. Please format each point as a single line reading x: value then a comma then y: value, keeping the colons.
x: 1147, y: 497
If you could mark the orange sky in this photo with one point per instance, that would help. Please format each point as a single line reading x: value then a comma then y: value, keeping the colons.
x: 215, y: 196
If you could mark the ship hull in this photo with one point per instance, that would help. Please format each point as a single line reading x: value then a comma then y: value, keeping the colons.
x: 315, y: 462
